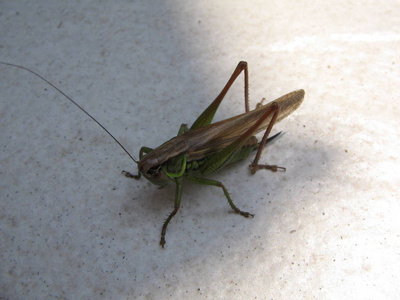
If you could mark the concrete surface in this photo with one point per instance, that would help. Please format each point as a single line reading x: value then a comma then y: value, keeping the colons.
x: 72, y: 227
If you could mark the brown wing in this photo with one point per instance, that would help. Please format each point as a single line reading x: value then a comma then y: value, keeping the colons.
x: 217, y: 136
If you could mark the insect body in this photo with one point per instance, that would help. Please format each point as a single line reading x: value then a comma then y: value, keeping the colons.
x: 205, y: 148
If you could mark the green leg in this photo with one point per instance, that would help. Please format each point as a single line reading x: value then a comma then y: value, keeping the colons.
x: 205, y: 181
x: 178, y: 195
x: 142, y: 150
x: 208, y: 114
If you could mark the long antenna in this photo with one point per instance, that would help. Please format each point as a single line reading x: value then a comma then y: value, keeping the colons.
x: 70, y: 99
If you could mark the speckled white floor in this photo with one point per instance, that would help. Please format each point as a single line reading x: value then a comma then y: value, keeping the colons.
x: 73, y: 227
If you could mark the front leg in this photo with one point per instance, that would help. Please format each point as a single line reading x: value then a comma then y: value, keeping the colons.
x: 178, y: 195
x: 143, y: 150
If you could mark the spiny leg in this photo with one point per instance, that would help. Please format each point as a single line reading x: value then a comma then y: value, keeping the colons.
x: 178, y: 194
x: 205, y: 181
x: 208, y: 114
x: 145, y: 150
x: 254, y: 166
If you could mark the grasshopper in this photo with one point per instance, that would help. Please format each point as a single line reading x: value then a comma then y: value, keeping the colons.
x: 205, y: 148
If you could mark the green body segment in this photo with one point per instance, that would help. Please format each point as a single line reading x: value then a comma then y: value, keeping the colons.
x: 201, y: 167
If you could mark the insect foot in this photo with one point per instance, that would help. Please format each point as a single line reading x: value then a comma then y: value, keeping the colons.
x: 274, y: 168
x: 130, y: 175
x: 246, y: 214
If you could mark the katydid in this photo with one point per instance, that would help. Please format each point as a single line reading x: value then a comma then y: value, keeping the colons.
x: 205, y: 148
